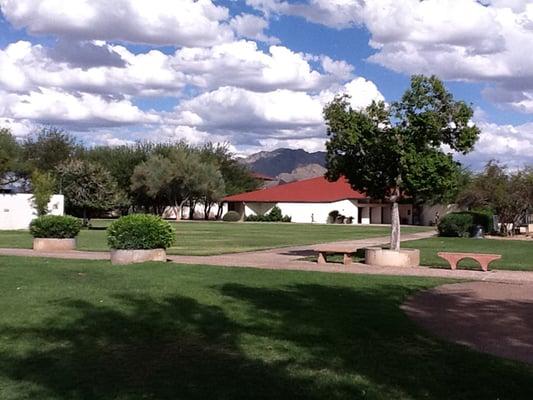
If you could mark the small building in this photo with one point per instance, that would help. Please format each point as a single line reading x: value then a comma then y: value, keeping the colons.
x: 17, y: 209
x: 312, y: 201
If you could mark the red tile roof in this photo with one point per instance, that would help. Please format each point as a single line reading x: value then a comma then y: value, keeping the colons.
x: 315, y: 190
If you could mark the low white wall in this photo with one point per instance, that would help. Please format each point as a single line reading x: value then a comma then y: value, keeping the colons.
x: 17, y: 210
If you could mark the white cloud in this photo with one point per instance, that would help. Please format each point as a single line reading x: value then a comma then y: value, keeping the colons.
x: 250, y: 119
x: 252, y: 27
x: 509, y: 144
x: 458, y: 40
x: 49, y: 106
x: 158, y: 22
x: 333, y: 13
x: 24, y: 67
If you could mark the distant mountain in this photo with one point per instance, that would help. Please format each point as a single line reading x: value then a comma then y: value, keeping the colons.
x: 305, y: 172
x: 279, y: 161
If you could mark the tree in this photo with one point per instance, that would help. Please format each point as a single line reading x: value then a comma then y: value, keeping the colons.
x: 88, y: 187
x: 121, y: 161
x: 394, y: 152
x: 508, y: 194
x: 173, y: 179
x: 48, y: 148
x: 209, y: 187
x: 236, y: 176
x: 9, y: 157
x: 43, y: 185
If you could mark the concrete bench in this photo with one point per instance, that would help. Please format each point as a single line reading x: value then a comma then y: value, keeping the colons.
x: 483, y: 259
x: 347, y: 253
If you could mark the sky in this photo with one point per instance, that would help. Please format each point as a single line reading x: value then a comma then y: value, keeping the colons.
x: 256, y: 74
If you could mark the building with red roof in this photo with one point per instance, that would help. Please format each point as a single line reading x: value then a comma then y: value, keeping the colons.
x: 312, y: 200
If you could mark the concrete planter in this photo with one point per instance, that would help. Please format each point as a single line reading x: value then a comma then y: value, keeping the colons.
x: 390, y: 258
x: 47, y: 244
x: 123, y: 257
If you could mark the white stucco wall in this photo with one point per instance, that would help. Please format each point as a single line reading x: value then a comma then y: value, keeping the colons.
x: 306, y: 212
x: 170, y: 212
x: 17, y: 210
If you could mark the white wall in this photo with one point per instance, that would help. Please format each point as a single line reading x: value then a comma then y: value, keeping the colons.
x: 17, y: 210
x: 170, y: 212
x: 306, y: 212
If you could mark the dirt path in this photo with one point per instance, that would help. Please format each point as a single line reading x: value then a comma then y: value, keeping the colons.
x: 495, y: 318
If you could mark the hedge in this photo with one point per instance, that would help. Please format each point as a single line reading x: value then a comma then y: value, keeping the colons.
x: 55, y: 227
x: 464, y: 224
x: 140, y: 232
x: 231, y: 216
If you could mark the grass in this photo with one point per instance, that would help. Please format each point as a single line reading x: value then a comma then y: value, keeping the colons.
x: 73, y: 330
x: 516, y: 255
x: 210, y: 238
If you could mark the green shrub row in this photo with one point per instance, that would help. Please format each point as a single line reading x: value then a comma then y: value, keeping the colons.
x: 275, y: 215
x: 141, y: 232
x: 231, y: 216
x: 55, y: 227
x: 464, y: 224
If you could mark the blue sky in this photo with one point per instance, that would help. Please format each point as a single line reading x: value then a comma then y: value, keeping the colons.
x: 256, y: 73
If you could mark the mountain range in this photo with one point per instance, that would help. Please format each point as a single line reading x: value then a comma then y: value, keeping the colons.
x: 287, y: 164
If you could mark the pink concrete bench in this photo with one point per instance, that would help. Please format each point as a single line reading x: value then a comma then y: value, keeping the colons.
x: 483, y: 259
x: 346, y: 252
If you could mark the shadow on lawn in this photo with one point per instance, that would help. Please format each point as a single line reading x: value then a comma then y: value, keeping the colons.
x: 303, y: 341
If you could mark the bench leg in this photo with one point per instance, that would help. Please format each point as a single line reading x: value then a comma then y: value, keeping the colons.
x: 347, y: 260
x: 484, y: 266
x: 321, y: 258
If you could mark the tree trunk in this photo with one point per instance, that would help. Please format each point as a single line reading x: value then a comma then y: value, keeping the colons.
x: 395, y: 227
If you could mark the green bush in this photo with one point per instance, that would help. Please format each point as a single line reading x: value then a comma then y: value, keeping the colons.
x: 140, y: 232
x: 485, y: 219
x: 55, y: 227
x: 275, y: 215
x: 463, y: 224
x: 231, y: 216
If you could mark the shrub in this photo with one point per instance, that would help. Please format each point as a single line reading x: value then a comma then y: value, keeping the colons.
x: 456, y: 224
x: 231, y: 216
x: 55, y: 227
x: 332, y: 216
x: 463, y: 224
x: 140, y: 232
x: 484, y: 218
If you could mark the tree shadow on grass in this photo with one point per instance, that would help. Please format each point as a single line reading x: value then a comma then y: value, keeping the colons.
x: 175, y: 348
x: 363, y: 333
x: 302, y: 341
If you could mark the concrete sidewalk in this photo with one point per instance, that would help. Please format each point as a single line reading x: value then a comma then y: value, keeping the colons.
x: 290, y: 258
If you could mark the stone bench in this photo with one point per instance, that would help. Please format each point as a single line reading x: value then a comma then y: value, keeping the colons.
x: 323, y: 252
x: 483, y: 259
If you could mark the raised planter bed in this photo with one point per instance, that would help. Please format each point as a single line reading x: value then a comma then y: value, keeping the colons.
x: 122, y: 257
x: 390, y: 258
x: 49, y: 244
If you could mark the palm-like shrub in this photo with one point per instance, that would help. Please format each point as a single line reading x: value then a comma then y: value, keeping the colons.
x: 140, y: 232
x: 55, y: 227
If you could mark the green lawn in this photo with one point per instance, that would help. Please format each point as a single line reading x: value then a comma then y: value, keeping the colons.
x: 206, y: 238
x: 516, y: 255
x: 73, y: 330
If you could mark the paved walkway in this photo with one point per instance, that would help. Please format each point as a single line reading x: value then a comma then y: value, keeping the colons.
x: 290, y: 258
x: 495, y: 318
